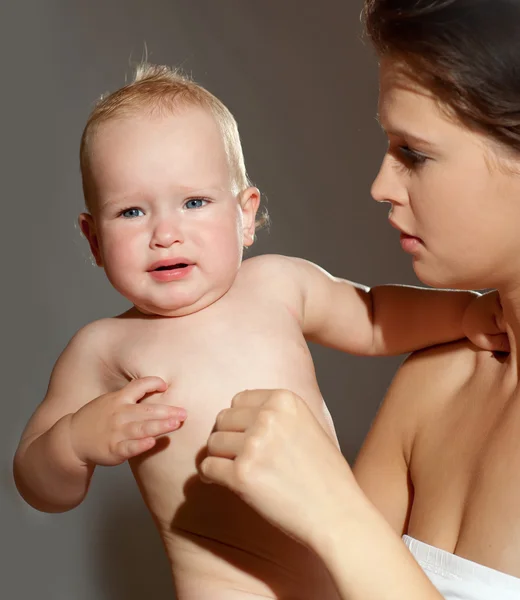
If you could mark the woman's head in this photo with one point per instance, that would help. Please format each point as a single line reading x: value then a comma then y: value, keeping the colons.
x: 450, y: 75
x: 467, y: 52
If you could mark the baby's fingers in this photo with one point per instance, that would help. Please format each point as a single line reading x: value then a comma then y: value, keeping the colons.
x: 130, y: 448
x: 151, y: 428
x: 137, y: 389
x: 492, y: 342
x: 156, y: 411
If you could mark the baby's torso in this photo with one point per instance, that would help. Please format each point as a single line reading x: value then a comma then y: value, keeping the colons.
x: 217, y: 545
x: 465, y: 469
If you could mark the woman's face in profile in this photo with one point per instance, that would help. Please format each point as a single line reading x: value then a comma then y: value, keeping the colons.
x: 455, y: 199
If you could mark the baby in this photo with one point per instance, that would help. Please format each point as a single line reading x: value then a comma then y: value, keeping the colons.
x: 170, y: 211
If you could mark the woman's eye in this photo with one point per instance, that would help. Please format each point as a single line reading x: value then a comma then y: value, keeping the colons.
x: 131, y: 213
x: 412, y: 157
x: 195, y: 203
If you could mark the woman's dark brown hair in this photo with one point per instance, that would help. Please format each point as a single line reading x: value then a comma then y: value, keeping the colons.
x: 467, y: 52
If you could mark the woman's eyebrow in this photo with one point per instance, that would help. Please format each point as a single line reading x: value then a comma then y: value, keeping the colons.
x: 415, y: 139
x: 402, y: 133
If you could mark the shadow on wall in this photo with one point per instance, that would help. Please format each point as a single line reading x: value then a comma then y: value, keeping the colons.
x: 128, y: 558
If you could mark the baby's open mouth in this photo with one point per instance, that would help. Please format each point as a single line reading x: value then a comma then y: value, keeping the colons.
x: 171, y: 267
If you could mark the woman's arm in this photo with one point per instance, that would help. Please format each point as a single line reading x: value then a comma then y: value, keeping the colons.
x: 382, y: 465
x: 368, y: 561
x: 270, y: 450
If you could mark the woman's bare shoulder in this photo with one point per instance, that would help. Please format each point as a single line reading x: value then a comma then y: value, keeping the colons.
x: 456, y: 361
x: 437, y: 374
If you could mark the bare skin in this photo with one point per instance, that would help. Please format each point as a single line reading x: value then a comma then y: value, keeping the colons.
x: 270, y: 450
x: 252, y: 337
x: 217, y: 545
x: 198, y: 334
x: 441, y: 460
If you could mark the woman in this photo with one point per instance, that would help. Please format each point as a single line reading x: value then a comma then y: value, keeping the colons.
x: 442, y: 460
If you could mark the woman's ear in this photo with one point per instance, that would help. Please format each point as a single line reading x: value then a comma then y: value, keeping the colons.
x: 88, y: 228
x: 249, y: 202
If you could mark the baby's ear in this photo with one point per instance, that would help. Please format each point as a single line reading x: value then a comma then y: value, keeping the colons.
x: 88, y: 228
x: 249, y: 201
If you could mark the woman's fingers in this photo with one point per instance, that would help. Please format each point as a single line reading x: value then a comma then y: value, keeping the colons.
x: 226, y: 444
x: 256, y: 398
x: 280, y: 455
x: 235, y: 419
x: 214, y: 469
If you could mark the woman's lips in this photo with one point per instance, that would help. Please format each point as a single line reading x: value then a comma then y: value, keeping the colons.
x: 409, y: 243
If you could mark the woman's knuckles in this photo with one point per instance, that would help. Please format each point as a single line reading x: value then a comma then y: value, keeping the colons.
x: 283, y: 401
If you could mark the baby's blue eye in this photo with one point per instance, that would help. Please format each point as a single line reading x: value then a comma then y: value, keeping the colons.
x: 196, y: 203
x: 131, y: 213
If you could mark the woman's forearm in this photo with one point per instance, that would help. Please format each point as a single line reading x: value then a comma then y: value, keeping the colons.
x: 368, y: 560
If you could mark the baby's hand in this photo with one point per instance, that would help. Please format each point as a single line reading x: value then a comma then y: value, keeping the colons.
x: 116, y: 427
x: 484, y: 324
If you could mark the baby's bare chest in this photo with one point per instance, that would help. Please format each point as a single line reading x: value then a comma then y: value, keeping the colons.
x: 206, y: 359
x: 219, y: 352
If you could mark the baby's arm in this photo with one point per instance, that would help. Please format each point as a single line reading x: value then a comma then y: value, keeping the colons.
x: 47, y: 471
x: 382, y: 320
x: 81, y: 423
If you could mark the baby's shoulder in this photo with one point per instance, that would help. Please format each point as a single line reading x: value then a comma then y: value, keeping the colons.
x: 272, y: 263
x: 85, y: 360
x: 283, y: 270
x: 97, y: 329
x: 272, y: 273
x: 97, y: 336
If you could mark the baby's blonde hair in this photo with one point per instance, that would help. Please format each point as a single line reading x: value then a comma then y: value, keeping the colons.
x: 159, y: 89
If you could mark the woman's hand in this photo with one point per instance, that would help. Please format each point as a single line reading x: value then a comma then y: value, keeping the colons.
x: 270, y: 450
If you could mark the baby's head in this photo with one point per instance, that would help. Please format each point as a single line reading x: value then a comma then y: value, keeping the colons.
x: 170, y: 206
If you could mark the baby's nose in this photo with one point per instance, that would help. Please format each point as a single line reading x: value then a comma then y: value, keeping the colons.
x: 167, y: 232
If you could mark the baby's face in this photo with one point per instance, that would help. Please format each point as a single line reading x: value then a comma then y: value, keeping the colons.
x: 167, y: 225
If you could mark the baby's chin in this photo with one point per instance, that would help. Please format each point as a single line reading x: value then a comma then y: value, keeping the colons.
x: 181, y: 310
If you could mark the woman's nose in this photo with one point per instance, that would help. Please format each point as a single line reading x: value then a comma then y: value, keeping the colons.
x: 388, y: 185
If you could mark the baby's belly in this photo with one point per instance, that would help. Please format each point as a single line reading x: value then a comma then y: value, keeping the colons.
x: 215, y: 542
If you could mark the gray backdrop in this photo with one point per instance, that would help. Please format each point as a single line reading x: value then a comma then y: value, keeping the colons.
x: 303, y: 88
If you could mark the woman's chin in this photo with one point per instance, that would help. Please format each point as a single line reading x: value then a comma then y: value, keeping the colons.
x: 437, y: 277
